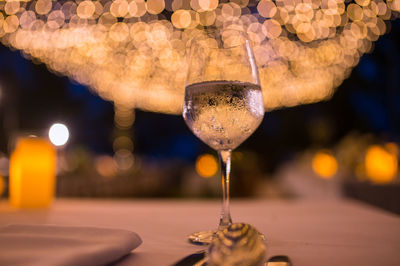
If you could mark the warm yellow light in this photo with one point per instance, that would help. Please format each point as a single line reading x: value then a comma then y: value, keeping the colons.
x: 208, y: 4
x: 11, y: 24
x: 381, y: 166
x: 133, y: 53
x: 43, y: 6
x: 207, y: 18
x: 32, y: 173
x: 392, y: 147
x: 394, y: 5
x: 119, y: 8
x: 123, y: 142
x: 124, y: 159
x: 137, y: 8
x: 11, y: 7
x: 86, y: 9
x: 355, y: 12
x: 155, y: 6
x: 363, y: 2
x: 266, y: 8
x: 124, y: 117
x: 2, y: 185
x: 106, y: 166
x: 181, y: 18
x: 272, y: 29
x: 119, y: 32
x: 241, y: 3
x: 324, y: 164
x: 206, y: 165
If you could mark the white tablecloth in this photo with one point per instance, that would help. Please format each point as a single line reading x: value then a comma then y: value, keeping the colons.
x: 328, y: 233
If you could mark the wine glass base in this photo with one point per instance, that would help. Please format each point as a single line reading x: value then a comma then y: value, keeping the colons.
x: 202, y: 237
x: 205, y: 237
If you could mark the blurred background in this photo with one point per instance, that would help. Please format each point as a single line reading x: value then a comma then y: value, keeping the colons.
x: 347, y: 146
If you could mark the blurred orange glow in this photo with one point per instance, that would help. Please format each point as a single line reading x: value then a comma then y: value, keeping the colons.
x: 86, y: 9
x: 2, y: 185
x: 266, y: 8
x: 123, y: 117
x: 324, y: 164
x: 124, y: 159
x: 43, y: 6
x: 181, y: 18
x: 207, y: 4
x: 32, y: 173
x: 206, y: 165
x: 155, y: 6
x: 381, y: 165
x: 123, y: 142
x: 106, y: 166
x: 392, y: 147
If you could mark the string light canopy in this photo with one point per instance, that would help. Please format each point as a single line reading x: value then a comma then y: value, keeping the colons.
x: 132, y: 52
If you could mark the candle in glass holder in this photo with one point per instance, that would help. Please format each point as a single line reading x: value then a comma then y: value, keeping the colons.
x: 32, y: 173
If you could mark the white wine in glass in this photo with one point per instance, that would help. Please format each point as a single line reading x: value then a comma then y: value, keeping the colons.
x: 223, y: 102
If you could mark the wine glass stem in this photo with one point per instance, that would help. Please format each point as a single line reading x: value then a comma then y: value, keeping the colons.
x: 225, y: 161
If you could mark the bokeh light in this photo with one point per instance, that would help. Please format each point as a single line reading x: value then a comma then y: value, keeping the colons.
x: 32, y: 173
x: 132, y: 52
x: 2, y: 185
x: 381, y: 165
x: 106, y: 166
x: 324, y: 164
x: 58, y: 134
x: 206, y: 165
x: 124, y: 159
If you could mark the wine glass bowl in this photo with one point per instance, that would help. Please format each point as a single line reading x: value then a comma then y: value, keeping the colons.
x: 223, y: 102
x: 223, y: 113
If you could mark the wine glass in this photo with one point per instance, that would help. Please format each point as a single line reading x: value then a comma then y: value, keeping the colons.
x: 223, y: 102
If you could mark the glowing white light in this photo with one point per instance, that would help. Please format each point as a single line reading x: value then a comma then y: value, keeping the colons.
x: 58, y: 134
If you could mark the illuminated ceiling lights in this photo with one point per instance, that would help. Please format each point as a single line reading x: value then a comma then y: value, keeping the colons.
x: 132, y: 52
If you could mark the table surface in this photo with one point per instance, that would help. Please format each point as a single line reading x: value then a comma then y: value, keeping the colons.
x: 310, y: 232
